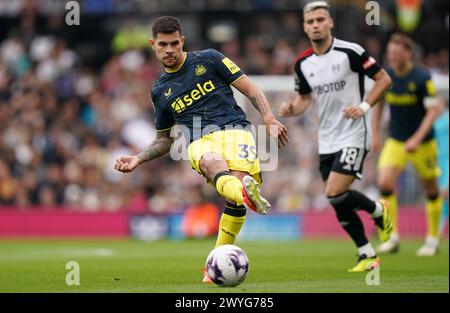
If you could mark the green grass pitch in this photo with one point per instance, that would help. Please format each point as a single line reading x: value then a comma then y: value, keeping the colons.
x: 175, y: 266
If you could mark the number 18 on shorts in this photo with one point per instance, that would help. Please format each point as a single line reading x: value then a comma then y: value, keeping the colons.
x: 348, y: 161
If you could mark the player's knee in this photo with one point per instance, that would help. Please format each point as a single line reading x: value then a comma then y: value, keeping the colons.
x: 431, y: 189
x: 386, y: 186
x: 210, y: 166
x: 333, y: 191
x: 205, y: 166
x: 337, y: 199
x: 386, y: 192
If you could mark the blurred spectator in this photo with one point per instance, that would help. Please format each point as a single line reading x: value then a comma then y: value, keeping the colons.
x: 131, y: 36
x: 200, y: 219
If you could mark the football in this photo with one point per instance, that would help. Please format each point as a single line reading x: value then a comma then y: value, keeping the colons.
x: 227, y: 265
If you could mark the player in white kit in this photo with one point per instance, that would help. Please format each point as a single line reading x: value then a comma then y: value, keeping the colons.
x: 331, y: 74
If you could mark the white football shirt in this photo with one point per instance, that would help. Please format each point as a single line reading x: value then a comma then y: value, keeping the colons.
x: 337, y: 80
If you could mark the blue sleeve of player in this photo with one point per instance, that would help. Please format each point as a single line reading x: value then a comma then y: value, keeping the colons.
x: 163, y: 118
x: 226, y: 68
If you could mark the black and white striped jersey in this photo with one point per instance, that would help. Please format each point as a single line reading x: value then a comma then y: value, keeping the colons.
x: 336, y: 78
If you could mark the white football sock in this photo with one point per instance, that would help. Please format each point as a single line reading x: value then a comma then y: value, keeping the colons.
x: 367, y: 250
x: 378, y: 210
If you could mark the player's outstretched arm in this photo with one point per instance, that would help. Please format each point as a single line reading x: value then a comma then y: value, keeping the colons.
x: 382, y: 83
x: 296, y: 107
x: 159, y: 147
x: 259, y: 101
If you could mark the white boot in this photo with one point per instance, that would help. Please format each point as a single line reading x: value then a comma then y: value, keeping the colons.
x: 430, y: 248
x: 390, y: 246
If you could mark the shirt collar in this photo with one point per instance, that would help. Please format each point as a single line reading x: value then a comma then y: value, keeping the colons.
x: 171, y: 71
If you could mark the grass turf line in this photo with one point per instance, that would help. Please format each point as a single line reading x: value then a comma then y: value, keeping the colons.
x: 175, y: 266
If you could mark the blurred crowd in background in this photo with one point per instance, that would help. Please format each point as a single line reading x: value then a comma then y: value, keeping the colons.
x: 74, y: 98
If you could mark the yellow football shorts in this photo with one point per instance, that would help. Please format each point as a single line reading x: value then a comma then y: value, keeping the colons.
x: 237, y: 148
x: 424, y: 159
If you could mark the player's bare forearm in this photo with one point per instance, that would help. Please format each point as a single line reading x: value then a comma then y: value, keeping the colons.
x: 296, y: 107
x: 376, y: 126
x: 302, y: 103
x: 376, y: 117
x: 426, y: 124
x: 276, y: 129
x: 259, y: 101
x: 382, y: 83
x: 159, y: 147
x: 256, y: 97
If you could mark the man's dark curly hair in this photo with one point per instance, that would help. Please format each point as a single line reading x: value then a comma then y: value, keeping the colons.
x: 166, y: 25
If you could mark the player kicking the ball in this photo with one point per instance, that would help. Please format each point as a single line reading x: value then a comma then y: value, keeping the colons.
x: 195, y: 93
x: 333, y: 70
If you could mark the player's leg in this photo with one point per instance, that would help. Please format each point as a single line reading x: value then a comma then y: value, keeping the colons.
x: 240, y: 151
x: 239, y: 187
x: 242, y: 180
x: 230, y: 187
x: 206, y: 158
x: 337, y: 192
x: 217, y: 157
x: 345, y: 203
x: 240, y: 191
x: 348, y: 165
x: 424, y: 160
x: 233, y: 217
x: 433, y: 206
x: 215, y: 169
x: 387, y: 182
x: 393, y: 160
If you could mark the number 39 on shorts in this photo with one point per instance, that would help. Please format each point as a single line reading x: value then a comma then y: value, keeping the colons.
x: 247, y: 152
